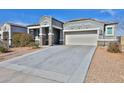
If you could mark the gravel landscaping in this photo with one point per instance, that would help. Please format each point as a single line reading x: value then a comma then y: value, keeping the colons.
x: 14, y: 52
x: 106, y: 67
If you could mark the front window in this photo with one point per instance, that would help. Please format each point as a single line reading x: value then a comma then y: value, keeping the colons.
x: 109, y: 30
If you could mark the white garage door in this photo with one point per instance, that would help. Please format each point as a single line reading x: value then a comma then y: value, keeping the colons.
x: 81, y: 38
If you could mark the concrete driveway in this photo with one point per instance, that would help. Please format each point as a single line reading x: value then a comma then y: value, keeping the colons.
x: 53, y: 64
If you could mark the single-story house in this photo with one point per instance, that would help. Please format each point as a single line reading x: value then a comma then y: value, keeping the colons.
x: 7, y: 29
x: 85, y: 31
x: 51, y: 31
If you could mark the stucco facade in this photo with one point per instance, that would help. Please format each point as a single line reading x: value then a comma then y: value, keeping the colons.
x: 91, y: 25
x: 7, y: 29
x: 50, y: 31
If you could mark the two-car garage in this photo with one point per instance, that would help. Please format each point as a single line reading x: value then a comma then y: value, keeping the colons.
x: 88, y: 37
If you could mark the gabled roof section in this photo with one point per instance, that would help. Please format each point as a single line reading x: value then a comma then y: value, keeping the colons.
x: 83, y: 19
x: 114, y: 23
x: 17, y: 25
x: 52, y: 18
x: 57, y: 20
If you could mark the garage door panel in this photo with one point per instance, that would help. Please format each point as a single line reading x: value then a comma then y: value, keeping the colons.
x: 81, y: 38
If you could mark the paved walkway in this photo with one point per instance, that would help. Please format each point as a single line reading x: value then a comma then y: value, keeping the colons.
x: 53, y: 64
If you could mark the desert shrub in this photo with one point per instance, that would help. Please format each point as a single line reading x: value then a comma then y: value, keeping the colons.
x: 3, y: 44
x: 21, y: 39
x: 113, y: 48
x: 34, y: 45
x: 3, y: 49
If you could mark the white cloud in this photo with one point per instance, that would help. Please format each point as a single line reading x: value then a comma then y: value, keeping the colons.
x: 109, y: 11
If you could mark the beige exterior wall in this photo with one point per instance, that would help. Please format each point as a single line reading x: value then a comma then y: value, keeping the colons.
x: 81, y: 25
x: 85, y: 24
x: 122, y: 40
x: 122, y: 43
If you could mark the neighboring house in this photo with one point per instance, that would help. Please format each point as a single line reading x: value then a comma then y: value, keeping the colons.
x: 48, y: 32
x: 7, y: 29
x: 89, y: 32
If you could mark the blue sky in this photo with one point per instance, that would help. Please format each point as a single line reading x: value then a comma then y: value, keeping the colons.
x: 32, y: 16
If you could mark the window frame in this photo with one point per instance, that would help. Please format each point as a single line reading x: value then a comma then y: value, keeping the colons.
x: 106, y: 31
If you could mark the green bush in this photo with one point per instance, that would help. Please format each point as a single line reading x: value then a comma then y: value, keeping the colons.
x: 21, y: 39
x: 113, y: 48
x: 3, y: 49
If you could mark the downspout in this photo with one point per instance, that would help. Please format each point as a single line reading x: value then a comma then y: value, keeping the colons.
x: 104, y: 36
